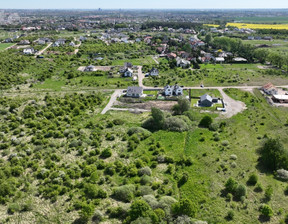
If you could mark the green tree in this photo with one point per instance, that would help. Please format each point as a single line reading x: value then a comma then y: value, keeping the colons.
x: 273, y: 155
x: 208, y: 38
x: 158, y: 117
x: 206, y: 121
x: 267, y: 211
x: 231, y: 185
x: 139, y: 208
x: 182, y: 106
x: 184, y: 207
x: 253, y: 179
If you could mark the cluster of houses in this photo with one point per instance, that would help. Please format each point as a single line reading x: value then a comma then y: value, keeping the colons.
x: 260, y: 38
x: 204, y: 101
x: 274, y: 92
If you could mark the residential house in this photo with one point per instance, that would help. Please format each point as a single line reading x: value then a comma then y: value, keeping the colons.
x: 205, y: 101
x: 178, y: 90
x: 90, y: 68
x: 8, y: 40
x: 29, y: 51
x: 219, y: 59
x: 268, y: 38
x: 72, y: 44
x: 24, y: 42
x: 59, y: 42
x: 182, y: 63
x: 128, y: 65
x: 168, y: 90
x: 41, y: 42
x: 239, y: 60
x: 270, y: 89
x: 134, y: 91
x: 128, y: 72
x: 251, y: 38
x: 171, y: 55
x: 173, y: 90
x: 154, y: 72
x: 82, y: 38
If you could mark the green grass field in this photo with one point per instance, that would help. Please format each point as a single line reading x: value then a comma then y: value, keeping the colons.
x: 266, y: 20
x: 3, y: 46
x: 221, y: 75
x: 135, y: 61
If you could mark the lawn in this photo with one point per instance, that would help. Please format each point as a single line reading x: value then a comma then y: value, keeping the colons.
x: 50, y: 84
x: 3, y: 46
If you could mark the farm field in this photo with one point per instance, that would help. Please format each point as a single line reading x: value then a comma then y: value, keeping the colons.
x: 258, y: 26
x: 261, y: 20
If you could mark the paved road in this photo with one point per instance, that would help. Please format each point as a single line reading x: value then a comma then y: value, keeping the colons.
x: 43, y: 50
x: 113, y: 98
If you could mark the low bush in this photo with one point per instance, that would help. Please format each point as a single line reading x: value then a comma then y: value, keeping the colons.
x: 124, y: 193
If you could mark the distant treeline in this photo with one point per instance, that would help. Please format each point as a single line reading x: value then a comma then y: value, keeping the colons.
x: 174, y: 25
x: 272, y: 32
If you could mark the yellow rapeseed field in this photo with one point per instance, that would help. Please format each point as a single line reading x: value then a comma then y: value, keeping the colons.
x: 211, y: 25
x: 259, y: 26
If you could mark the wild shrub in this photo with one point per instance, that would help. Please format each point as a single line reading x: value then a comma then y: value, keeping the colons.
x: 253, y: 179
x: 124, y: 193
x: 175, y: 124
x: 145, y: 171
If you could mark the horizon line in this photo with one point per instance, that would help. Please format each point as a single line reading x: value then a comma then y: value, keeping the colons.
x: 142, y: 8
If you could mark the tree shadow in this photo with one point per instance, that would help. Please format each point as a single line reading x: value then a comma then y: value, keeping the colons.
x: 263, y: 218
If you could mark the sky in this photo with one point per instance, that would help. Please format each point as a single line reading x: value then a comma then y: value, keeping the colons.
x: 142, y: 4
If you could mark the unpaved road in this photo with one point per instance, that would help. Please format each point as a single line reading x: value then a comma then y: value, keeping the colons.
x: 233, y: 107
x: 141, y: 76
x: 43, y: 50
x: 113, y: 98
x: 154, y: 58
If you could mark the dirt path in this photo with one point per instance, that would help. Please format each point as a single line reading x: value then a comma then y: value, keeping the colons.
x: 141, y: 76
x: 43, y: 50
x: 154, y: 58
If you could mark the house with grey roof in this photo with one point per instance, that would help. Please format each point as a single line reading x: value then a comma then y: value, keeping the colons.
x: 134, y: 91
x: 207, y: 101
x: 154, y: 72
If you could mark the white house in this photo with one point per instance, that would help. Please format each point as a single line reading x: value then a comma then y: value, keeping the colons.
x: 182, y: 63
x: 72, y: 44
x: 173, y: 90
x: 134, y: 91
x: 128, y: 72
x: 168, y: 90
x: 29, y: 51
x: 219, y: 59
x: 178, y: 91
